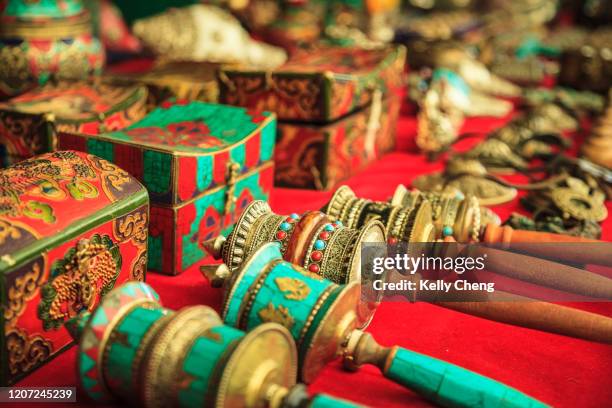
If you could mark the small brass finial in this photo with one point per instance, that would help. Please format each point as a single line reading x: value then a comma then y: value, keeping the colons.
x: 214, y: 246
x: 216, y: 274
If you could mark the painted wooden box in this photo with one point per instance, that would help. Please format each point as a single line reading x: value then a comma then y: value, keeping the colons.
x: 30, y: 122
x: 317, y: 86
x: 319, y: 157
x: 45, y: 39
x: 180, y: 80
x: 71, y: 227
x: 202, y: 163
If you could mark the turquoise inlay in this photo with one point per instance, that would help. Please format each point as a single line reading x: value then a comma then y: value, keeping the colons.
x: 329, y: 228
x: 227, y: 124
x: 338, y: 223
x: 270, y: 298
x: 447, y: 231
x: 204, y: 173
x: 453, y: 78
x: 450, y: 385
x: 192, y: 251
x: 267, y: 253
x: 529, y: 47
x: 43, y: 8
x: 319, y: 244
x: 238, y: 155
x: 101, y: 149
x: 325, y: 401
x: 268, y: 140
x: 294, y: 216
x: 154, y: 254
x: 157, y: 172
x: 121, y: 353
x: 285, y: 226
x: 201, y: 363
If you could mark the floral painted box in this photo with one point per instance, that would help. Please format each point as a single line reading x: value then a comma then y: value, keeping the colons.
x: 320, y: 157
x: 202, y: 163
x: 72, y: 226
x: 29, y: 123
x: 317, y: 86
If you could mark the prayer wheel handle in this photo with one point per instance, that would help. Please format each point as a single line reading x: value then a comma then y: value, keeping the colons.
x: 542, y: 244
x: 443, y: 383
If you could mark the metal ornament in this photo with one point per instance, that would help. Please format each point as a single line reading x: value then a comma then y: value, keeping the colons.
x: 598, y: 146
x: 467, y: 177
x: 403, y: 224
x: 322, y: 319
x: 133, y: 350
x: 319, y: 244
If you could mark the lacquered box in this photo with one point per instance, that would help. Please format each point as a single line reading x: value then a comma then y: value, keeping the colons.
x: 30, y: 122
x: 317, y: 86
x: 202, y: 163
x: 180, y: 80
x: 72, y: 226
x: 320, y: 157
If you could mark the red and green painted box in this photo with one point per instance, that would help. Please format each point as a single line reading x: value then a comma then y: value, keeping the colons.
x: 317, y: 86
x: 29, y: 123
x: 319, y: 157
x: 202, y: 163
x: 72, y: 226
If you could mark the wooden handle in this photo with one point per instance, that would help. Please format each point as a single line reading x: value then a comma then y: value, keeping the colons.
x: 538, y: 243
x: 544, y: 272
x: 544, y: 316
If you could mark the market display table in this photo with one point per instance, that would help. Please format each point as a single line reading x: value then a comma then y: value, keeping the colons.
x: 558, y: 370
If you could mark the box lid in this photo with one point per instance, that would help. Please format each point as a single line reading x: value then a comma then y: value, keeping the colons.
x: 47, y: 200
x: 41, y: 9
x: 75, y: 102
x: 319, y: 85
x: 200, y: 144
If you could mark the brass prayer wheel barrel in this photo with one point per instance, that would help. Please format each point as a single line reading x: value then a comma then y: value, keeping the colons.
x: 322, y: 318
x: 412, y: 216
x: 131, y: 349
x: 312, y: 240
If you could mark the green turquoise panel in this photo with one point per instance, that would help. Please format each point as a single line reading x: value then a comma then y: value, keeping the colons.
x: 203, y: 361
x: 266, y: 254
x: 204, y: 174
x: 154, y: 258
x: 122, y: 350
x: 192, y: 252
x: 26, y: 9
x: 101, y: 149
x: 157, y: 174
x: 288, y: 296
x: 238, y: 155
x: 325, y: 401
x: 191, y: 249
x: 449, y: 385
x: 268, y: 140
x: 196, y: 127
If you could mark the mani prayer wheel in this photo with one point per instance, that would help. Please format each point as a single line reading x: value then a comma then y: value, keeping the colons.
x: 131, y: 349
x: 461, y: 218
x: 315, y: 242
x: 322, y: 318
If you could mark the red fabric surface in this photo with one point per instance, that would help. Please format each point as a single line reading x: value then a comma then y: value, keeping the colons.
x: 558, y: 370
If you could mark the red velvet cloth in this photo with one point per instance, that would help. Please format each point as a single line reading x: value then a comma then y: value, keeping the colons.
x: 558, y: 370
